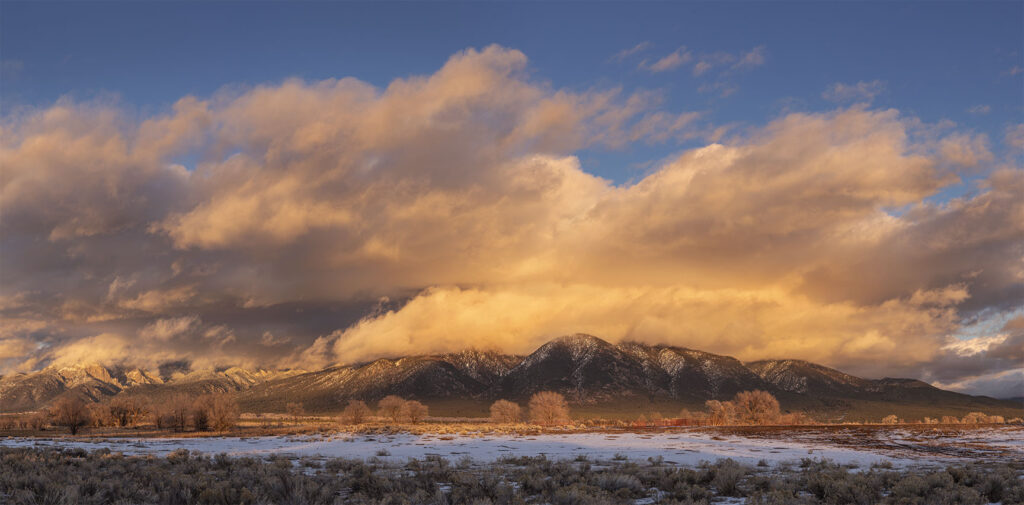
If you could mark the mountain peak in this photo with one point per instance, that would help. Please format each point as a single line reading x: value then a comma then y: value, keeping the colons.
x: 583, y: 367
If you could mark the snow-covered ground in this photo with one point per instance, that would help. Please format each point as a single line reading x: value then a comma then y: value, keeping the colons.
x: 682, y: 448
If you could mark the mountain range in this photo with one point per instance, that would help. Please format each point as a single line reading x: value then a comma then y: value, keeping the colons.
x: 592, y: 373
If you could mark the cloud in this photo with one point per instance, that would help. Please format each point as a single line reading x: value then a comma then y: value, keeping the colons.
x: 1015, y: 136
x: 998, y: 384
x: 979, y: 110
x: 748, y: 324
x: 626, y: 53
x: 965, y: 150
x: 167, y: 329
x: 1004, y: 384
x: 730, y: 63
x: 754, y: 58
x: 459, y: 197
x: 863, y: 91
x: 668, y: 62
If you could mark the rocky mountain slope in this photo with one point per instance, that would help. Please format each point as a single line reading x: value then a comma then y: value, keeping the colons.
x: 588, y: 370
x: 93, y: 382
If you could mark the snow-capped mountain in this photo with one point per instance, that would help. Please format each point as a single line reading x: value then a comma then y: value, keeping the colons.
x: 587, y: 369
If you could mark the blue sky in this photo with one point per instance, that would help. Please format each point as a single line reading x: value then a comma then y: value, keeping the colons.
x: 937, y: 61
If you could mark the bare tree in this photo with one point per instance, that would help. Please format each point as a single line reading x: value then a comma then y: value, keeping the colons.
x: 504, y: 411
x: 890, y: 419
x: 70, y: 413
x: 99, y: 416
x: 127, y: 410
x: 173, y: 413
x: 220, y: 411
x: 37, y: 421
x: 355, y: 413
x: 721, y: 413
x: 391, y: 407
x: 295, y: 411
x: 200, y: 415
x: 757, y: 407
x: 548, y: 407
x: 414, y: 411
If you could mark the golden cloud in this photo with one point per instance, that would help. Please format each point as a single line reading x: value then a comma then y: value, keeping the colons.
x: 808, y: 237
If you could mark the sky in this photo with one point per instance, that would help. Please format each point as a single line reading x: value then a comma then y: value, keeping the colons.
x: 301, y: 184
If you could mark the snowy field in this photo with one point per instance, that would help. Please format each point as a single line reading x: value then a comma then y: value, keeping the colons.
x: 896, y: 446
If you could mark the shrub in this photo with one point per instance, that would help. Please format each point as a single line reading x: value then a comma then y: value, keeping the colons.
x: 890, y: 419
x: 548, y: 407
x: 728, y: 475
x: 504, y: 411
x: 355, y: 413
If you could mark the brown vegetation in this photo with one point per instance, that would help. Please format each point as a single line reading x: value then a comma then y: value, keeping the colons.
x: 33, y: 476
x: 390, y: 407
x: 506, y: 412
x: 548, y: 408
x: 220, y: 410
x: 414, y: 411
x: 295, y: 411
x: 70, y: 413
x: 355, y: 413
x: 127, y: 410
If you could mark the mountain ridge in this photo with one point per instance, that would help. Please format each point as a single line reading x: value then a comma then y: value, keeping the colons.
x: 588, y: 370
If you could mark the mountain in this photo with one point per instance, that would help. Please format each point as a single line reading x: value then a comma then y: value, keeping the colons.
x: 95, y: 382
x: 592, y: 373
x: 802, y: 377
x: 820, y: 387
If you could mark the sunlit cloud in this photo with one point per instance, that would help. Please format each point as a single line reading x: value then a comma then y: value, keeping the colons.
x: 458, y: 199
x: 670, y: 61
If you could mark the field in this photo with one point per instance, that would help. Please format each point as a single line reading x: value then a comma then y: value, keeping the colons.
x: 762, y: 465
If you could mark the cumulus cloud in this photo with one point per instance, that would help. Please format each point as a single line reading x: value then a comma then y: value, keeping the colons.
x: 863, y: 91
x: 965, y: 149
x: 458, y: 197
